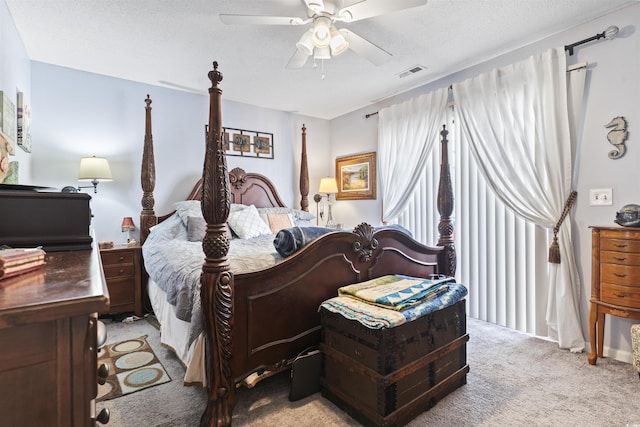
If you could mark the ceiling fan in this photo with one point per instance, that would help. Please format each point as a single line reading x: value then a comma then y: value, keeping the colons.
x: 323, y: 40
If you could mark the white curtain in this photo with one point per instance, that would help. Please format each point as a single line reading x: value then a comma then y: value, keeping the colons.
x: 406, y: 134
x: 515, y: 120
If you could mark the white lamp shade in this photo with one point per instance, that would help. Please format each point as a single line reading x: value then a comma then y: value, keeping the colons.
x: 304, y: 44
x: 322, y: 53
x: 328, y: 186
x: 94, y: 168
x: 338, y: 42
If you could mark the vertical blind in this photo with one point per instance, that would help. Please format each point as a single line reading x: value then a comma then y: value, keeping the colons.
x: 496, y: 249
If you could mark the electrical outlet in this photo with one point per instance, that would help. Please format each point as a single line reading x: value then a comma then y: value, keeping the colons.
x: 600, y: 197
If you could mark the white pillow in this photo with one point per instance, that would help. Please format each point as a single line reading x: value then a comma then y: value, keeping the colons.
x: 246, y: 223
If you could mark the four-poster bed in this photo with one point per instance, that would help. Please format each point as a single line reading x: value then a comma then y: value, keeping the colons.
x: 260, y: 320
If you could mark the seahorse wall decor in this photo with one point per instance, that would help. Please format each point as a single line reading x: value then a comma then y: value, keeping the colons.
x: 617, y: 136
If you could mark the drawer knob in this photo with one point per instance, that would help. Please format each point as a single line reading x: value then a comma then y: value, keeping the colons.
x: 618, y: 258
x: 121, y: 271
x: 121, y: 258
x: 619, y: 275
x: 103, y: 416
x: 617, y: 245
x: 103, y: 373
x: 619, y: 295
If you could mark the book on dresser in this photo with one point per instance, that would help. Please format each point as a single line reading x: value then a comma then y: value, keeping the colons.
x: 14, y: 261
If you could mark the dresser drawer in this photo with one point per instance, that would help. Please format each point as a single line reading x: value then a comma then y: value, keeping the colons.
x: 111, y: 271
x: 626, y: 296
x: 117, y: 257
x: 620, y: 245
x: 620, y: 274
x: 624, y: 258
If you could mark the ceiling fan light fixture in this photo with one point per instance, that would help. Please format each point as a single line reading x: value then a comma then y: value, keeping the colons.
x: 322, y: 53
x: 304, y: 44
x: 321, y: 31
x: 338, y: 42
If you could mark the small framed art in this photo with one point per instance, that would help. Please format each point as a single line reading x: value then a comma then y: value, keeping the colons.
x: 356, y: 177
x: 24, y: 123
x: 247, y: 143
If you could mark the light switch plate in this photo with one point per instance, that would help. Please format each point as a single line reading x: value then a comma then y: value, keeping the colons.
x: 600, y: 197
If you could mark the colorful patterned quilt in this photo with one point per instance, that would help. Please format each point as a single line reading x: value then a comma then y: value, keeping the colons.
x: 396, y: 292
x: 390, y: 301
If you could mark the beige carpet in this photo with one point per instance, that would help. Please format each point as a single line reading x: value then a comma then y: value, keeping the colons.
x: 515, y: 380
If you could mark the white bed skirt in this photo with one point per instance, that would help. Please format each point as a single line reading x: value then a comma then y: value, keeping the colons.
x: 174, y: 335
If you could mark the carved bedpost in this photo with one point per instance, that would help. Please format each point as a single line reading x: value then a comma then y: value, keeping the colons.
x: 148, y: 217
x: 216, y: 292
x: 304, y: 173
x: 445, y: 208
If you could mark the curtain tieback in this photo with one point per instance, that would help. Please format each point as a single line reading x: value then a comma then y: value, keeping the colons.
x: 554, y: 249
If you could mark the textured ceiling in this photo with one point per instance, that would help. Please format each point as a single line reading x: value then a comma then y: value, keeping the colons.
x: 173, y: 43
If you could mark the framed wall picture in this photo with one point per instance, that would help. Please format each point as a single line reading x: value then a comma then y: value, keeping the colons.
x: 356, y: 177
x: 241, y: 142
x: 24, y: 123
x: 8, y: 121
x: 247, y: 143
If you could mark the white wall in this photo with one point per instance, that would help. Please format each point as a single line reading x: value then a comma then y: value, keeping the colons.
x: 613, y: 89
x: 78, y: 114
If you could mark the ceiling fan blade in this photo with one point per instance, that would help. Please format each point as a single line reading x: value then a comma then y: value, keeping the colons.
x: 298, y: 59
x: 315, y: 5
x: 369, y: 8
x: 365, y: 48
x: 261, y: 20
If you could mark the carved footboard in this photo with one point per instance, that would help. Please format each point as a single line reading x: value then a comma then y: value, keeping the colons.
x: 276, y: 310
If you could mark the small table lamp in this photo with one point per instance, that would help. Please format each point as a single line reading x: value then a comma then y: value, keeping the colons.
x: 128, y: 226
x: 329, y: 187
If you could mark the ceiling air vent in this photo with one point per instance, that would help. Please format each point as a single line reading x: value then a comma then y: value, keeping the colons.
x: 412, y: 70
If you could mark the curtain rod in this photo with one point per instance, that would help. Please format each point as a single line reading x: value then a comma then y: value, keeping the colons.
x: 366, y: 116
x: 610, y: 33
x: 569, y: 69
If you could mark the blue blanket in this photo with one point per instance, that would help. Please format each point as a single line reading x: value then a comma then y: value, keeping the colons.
x: 290, y: 240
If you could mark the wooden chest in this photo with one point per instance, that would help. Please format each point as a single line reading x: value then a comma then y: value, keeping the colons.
x: 386, y: 377
x: 615, y: 281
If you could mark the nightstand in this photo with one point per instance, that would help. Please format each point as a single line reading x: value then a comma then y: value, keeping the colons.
x: 123, y: 271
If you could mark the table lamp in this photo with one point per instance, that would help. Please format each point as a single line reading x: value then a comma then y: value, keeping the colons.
x: 328, y: 186
x: 128, y: 226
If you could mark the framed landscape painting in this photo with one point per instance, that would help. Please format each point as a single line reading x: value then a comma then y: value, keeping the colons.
x: 356, y: 177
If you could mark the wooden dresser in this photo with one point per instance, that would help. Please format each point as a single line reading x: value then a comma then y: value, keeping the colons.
x: 615, y: 280
x: 123, y: 272
x: 48, y: 325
